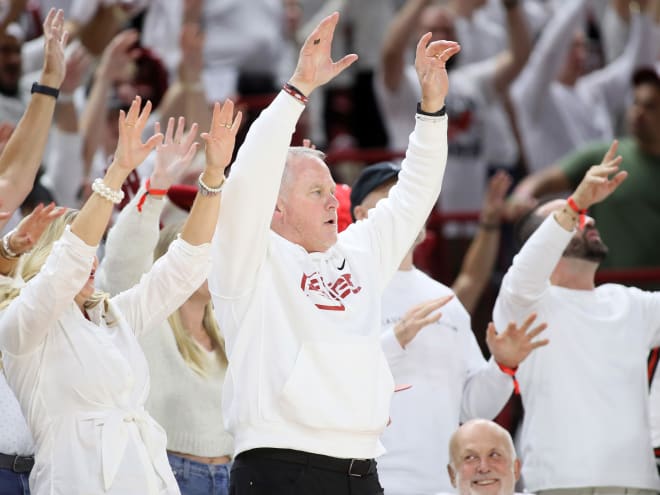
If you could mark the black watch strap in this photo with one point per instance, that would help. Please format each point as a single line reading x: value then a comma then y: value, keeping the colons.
x: 45, y: 90
x: 439, y: 113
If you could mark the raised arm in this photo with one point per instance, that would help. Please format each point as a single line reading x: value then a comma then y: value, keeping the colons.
x: 512, y: 62
x: 480, y: 258
x: 395, y: 222
x: 529, y: 275
x: 183, y: 269
x: 138, y: 222
x: 64, y: 167
x: 253, y: 186
x: 547, y: 57
x: 186, y: 96
x: 114, y: 60
x: 22, y: 155
x: 397, y: 40
x: 28, y: 318
x: 642, y: 49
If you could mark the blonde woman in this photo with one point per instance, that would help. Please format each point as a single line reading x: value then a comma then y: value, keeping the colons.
x: 71, y: 353
x: 186, y: 357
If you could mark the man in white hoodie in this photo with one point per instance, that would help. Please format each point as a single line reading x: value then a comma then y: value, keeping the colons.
x: 308, y: 388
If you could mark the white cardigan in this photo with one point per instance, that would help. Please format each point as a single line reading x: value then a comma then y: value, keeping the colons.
x: 82, y: 384
x: 186, y: 404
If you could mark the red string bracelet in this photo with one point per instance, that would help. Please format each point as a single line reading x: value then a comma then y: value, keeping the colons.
x: 149, y: 192
x: 295, y: 92
x: 512, y: 373
x: 582, y: 212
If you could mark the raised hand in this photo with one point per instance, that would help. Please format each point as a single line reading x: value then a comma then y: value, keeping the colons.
x: 418, y: 317
x: 174, y: 155
x: 510, y: 347
x: 30, y: 228
x: 221, y: 137
x: 77, y: 64
x: 192, y: 53
x: 315, y: 66
x: 55, y: 40
x: 430, y: 63
x: 597, y: 184
x: 131, y: 151
x: 493, y: 206
x: 118, y: 56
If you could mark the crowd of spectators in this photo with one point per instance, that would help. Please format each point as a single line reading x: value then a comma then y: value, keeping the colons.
x: 540, y: 91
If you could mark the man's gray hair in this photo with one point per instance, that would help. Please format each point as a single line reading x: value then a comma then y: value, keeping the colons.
x: 485, y: 422
x: 298, y: 151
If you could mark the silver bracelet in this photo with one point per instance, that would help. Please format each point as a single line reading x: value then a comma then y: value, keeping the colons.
x: 5, y: 246
x: 206, y: 190
x: 99, y: 187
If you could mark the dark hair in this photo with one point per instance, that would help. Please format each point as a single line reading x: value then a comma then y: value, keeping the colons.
x: 646, y: 75
x: 152, y: 72
x: 525, y: 227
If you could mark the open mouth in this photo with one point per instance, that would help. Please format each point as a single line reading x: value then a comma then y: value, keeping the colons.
x: 484, y: 482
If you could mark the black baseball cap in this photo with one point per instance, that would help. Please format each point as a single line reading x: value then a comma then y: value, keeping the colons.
x: 371, y: 178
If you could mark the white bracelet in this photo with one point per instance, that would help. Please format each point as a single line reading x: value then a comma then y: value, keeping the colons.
x: 99, y: 187
x: 5, y: 246
x: 206, y: 190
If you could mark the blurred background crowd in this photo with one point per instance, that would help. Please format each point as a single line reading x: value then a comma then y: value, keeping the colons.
x: 537, y: 94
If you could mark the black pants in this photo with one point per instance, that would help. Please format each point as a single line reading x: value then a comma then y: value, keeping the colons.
x: 291, y: 472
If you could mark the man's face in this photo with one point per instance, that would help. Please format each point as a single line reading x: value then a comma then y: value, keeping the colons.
x: 307, y: 207
x: 483, y: 461
x: 644, y: 113
x: 576, y: 58
x: 586, y: 243
x: 10, y: 64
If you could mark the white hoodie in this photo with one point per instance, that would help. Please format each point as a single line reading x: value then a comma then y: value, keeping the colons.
x: 302, y: 329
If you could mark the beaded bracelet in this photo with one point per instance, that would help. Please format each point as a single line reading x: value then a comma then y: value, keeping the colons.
x: 99, y: 187
x: 206, y: 190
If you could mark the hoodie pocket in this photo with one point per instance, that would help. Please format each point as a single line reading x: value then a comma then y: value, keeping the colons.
x: 340, y: 385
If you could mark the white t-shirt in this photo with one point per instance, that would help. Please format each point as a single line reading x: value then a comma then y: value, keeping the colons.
x: 585, y: 394
x: 451, y: 382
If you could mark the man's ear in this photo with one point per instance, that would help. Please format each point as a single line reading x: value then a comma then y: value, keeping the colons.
x: 452, y: 475
x: 279, y: 209
x: 360, y: 212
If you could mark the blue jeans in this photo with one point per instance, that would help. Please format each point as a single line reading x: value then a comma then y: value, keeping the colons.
x: 196, y: 478
x: 12, y: 483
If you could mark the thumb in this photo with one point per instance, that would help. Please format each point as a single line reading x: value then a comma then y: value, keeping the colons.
x: 491, y: 334
x: 345, y: 63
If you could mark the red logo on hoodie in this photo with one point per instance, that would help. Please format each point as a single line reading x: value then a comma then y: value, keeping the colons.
x: 328, y: 296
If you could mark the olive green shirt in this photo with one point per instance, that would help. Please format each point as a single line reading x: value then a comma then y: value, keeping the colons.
x: 629, y: 220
